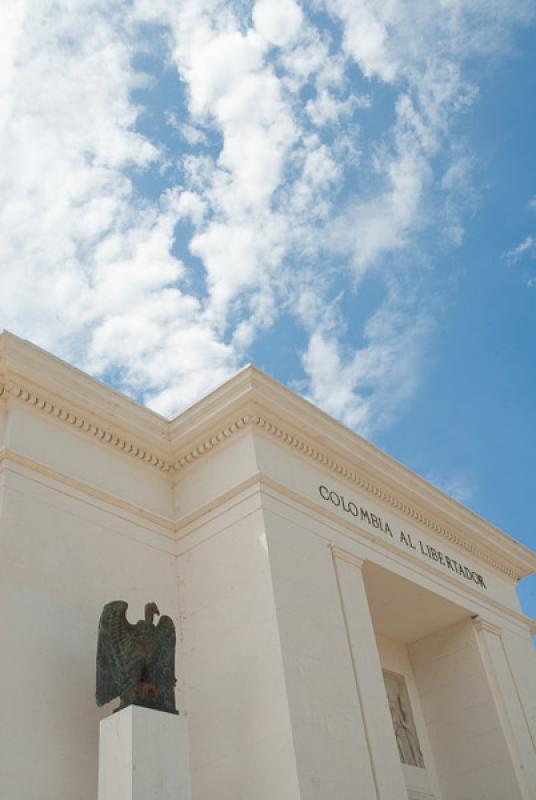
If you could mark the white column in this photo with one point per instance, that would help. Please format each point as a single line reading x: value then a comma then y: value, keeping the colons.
x: 508, y: 704
x: 143, y: 755
x: 381, y: 742
x: 521, y: 656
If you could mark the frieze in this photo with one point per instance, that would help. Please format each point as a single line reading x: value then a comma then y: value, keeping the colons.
x: 409, y: 540
x: 18, y: 392
x: 309, y: 451
x: 175, y: 465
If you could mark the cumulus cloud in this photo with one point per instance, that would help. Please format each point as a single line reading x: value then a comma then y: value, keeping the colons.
x: 270, y: 197
x: 277, y: 21
x: 364, y: 386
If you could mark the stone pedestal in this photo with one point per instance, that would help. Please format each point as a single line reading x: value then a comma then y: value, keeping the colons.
x: 143, y: 755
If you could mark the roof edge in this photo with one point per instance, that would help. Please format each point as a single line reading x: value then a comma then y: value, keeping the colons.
x: 193, y: 430
x: 248, y: 391
x: 23, y: 362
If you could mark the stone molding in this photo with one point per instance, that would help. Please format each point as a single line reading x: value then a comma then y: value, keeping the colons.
x: 173, y: 534
x: 480, y: 624
x: 344, y: 555
x: 172, y: 466
x: 279, y: 492
x: 252, y: 400
x: 310, y: 451
x: 377, y: 492
x: 17, y: 391
x: 213, y: 441
x: 163, y: 525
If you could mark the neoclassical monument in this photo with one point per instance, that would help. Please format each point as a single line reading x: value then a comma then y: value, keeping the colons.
x: 344, y: 629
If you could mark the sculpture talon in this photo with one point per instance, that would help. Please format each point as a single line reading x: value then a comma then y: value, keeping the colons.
x: 136, y: 662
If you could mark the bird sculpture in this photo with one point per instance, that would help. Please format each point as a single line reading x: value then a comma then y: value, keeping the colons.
x: 136, y: 662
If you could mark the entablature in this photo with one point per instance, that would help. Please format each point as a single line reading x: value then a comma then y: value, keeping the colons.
x: 250, y: 400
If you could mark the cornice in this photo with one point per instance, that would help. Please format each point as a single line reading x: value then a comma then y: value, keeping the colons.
x: 211, y: 442
x: 82, y: 423
x: 249, y: 399
x: 289, y: 439
x: 305, y: 448
x: 43, y: 374
x: 299, y: 424
x: 343, y: 471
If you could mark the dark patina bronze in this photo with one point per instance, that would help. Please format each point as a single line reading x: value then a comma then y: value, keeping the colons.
x: 136, y: 662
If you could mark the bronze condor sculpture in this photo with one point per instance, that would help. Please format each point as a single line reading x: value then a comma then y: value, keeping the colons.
x: 136, y: 662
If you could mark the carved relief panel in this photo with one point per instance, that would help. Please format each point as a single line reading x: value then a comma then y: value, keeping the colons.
x: 403, y: 723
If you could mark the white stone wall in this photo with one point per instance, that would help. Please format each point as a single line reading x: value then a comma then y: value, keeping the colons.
x: 3, y: 424
x: 43, y: 440
x: 513, y: 719
x: 303, y: 478
x: 61, y: 559
x: 394, y: 657
x: 470, y: 749
x: 235, y: 692
x: 521, y: 656
x: 279, y: 670
x: 207, y: 482
x: 330, y: 739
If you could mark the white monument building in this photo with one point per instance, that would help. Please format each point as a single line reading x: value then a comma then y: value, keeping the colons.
x: 345, y: 631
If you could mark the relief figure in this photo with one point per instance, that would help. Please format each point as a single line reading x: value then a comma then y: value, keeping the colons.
x: 403, y: 723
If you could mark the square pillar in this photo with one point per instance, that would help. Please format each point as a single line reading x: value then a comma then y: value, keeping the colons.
x: 513, y: 719
x: 143, y: 755
x: 383, y: 752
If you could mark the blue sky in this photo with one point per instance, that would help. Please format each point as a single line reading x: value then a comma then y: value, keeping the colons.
x: 342, y: 193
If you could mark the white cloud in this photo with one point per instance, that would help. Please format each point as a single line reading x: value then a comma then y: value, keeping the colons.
x: 88, y: 270
x: 277, y: 21
x: 68, y: 133
x: 524, y: 252
x: 326, y: 108
x: 460, y: 485
x: 192, y: 134
x: 368, y: 387
x: 89, y: 265
x: 365, y: 386
x: 390, y: 39
x: 524, y: 248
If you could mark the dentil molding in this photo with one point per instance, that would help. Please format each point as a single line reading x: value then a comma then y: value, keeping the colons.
x: 76, y: 420
x: 173, y: 466
x: 310, y: 451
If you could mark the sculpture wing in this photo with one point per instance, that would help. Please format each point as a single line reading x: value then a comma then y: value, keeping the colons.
x: 165, y: 655
x: 114, y: 643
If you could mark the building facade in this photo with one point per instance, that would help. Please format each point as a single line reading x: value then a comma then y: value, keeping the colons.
x: 345, y: 630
